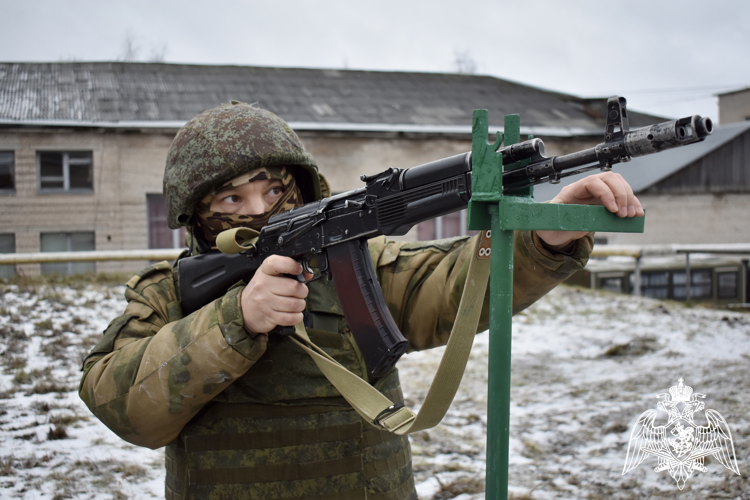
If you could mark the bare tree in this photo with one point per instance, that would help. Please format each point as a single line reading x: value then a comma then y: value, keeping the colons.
x: 464, y: 63
x: 158, y: 53
x: 130, y: 50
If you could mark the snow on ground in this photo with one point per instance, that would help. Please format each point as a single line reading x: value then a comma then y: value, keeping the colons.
x: 585, y: 366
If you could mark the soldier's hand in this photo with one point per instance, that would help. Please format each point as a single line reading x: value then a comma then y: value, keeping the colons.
x: 608, y: 189
x: 271, y: 298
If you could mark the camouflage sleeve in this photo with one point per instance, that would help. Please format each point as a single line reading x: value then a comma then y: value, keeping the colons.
x: 422, y: 282
x: 153, y: 370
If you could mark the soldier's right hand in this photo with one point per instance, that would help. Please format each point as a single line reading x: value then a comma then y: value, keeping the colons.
x: 271, y: 298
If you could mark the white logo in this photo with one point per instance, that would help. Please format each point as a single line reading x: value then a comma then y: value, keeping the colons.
x: 684, y: 453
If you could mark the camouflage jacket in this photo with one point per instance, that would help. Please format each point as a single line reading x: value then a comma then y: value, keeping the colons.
x: 154, y: 369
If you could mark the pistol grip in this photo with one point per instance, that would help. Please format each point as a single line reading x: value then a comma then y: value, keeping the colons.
x: 361, y: 297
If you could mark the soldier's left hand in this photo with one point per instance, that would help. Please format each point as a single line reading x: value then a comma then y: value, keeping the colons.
x: 608, y: 189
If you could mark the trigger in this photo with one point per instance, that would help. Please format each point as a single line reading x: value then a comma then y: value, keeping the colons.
x: 305, y: 269
x: 306, y: 266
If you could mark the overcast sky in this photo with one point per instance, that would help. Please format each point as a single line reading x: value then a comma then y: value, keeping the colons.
x: 666, y: 57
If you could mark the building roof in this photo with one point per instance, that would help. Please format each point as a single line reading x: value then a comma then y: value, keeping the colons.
x: 738, y: 91
x: 646, y: 171
x: 143, y: 95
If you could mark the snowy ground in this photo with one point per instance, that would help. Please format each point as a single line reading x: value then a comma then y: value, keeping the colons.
x: 585, y: 366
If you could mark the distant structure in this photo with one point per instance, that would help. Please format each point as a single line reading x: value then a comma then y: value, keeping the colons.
x: 696, y: 194
x: 734, y: 106
x: 83, y: 145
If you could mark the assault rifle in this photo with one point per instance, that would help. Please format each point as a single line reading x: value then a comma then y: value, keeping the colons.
x: 334, y: 231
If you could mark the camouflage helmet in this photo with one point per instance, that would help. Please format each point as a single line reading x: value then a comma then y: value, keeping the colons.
x: 224, y: 142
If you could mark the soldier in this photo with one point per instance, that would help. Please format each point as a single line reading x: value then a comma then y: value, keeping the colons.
x: 248, y: 415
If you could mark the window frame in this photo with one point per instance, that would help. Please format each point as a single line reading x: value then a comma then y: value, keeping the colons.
x: 70, y: 267
x: 719, y: 276
x: 8, y: 270
x: 65, y: 173
x: 177, y: 236
x: 10, y: 190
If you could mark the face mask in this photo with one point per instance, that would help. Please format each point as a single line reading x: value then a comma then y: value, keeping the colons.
x: 212, y: 223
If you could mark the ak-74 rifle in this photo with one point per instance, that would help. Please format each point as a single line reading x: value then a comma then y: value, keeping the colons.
x: 333, y: 232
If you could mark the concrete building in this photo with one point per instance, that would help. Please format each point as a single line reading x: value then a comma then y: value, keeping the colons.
x: 696, y: 194
x: 83, y: 145
x: 734, y: 106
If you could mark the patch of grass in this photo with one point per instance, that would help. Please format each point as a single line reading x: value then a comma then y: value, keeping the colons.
x: 616, y: 428
x: 531, y: 449
x: 46, y: 387
x: 460, y: 485
x: 44, y: 325
x: 21, y: 377
x: 14, y: 363
x: 58, y: 432
x: 41, y: 407
x: 79, y: 321
x: 7, y: 394
x: 636, y: 347
x: 130, y: 470
x: 65, y: 420
x: 9, y: 332
x: 56, y: 348
x: 6, y: 465
x: 69, y: 327
x: 522, y: 496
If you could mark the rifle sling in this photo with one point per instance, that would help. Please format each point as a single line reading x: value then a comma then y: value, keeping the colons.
x: 374, y: 406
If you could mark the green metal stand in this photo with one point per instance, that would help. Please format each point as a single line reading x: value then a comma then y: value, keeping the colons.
x: 489, y: 208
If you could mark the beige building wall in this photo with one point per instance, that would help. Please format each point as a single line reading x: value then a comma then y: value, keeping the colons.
x: 342, y: 159
x: 696, y: 218
x: 128, y: 165
x: 734, y: 107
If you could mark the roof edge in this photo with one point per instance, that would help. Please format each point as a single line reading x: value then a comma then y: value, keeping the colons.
x: 316, y: 126
x: 740, y: 127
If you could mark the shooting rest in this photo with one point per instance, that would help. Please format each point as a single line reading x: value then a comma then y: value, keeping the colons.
x: 489, y: 208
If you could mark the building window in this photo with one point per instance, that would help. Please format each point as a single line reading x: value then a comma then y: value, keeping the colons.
x: 7, y: 245
x: 159, y: 234
x: 727, y: 285
x: 611, y: 284
x: 67, y: 242
x: 700, y: 284
x: 7, y: 171
x: 66, y: 171
x: 655, y: 285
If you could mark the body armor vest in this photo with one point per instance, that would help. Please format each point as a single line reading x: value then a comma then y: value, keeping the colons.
x: 283, y: 431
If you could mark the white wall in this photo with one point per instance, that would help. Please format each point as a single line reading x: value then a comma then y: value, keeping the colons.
x: 702, y: 218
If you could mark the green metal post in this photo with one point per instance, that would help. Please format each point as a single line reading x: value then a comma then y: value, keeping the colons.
x: 498, y: 383
x: 489, y: 208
